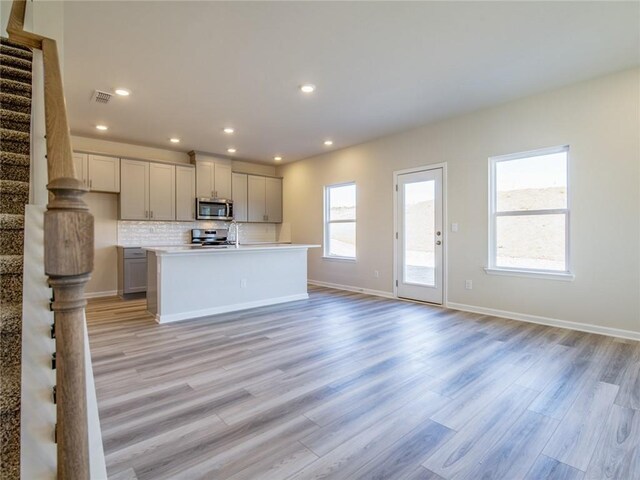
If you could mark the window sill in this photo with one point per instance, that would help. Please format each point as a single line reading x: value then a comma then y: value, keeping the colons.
x: 563, y: 276
x: 339, y: 259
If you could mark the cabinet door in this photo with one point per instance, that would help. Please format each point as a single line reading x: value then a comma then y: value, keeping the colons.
x: 239, y: 196
x: 80, y: 162
x: 204, y: 179
x: 135, y: 275
x: 222, y: 184
x: 185, y: 193
x: 162, y: 191
x: 104, y: 174
x: 273, y: 191
x: 256, y: 207
x: 134, y: 191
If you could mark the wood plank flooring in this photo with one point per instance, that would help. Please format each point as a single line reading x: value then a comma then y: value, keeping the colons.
x: 349, y: 386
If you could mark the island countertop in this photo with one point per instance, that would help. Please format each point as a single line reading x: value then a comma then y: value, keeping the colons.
x: 209, y: 249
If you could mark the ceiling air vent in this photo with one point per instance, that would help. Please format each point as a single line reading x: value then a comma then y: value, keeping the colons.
x: 101, y: 97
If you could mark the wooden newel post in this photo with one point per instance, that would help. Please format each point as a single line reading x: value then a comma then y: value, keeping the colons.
x: 68, y: 259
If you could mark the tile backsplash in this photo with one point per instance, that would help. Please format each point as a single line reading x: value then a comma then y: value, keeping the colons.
x: 134, y: 234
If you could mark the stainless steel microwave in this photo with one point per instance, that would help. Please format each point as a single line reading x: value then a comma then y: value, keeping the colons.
x: 214, y: 209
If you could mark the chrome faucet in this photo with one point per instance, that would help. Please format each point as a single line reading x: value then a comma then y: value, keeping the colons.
x: 235, y: 226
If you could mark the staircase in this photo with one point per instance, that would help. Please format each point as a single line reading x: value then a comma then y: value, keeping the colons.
x: 15, y: 124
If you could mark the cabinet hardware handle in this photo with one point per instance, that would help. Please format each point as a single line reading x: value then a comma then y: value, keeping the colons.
x: 90, y: 183
x: 151, y: 213
x: 146, y: 214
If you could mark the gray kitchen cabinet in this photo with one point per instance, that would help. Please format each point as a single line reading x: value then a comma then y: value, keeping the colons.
x: 264, y: 199
x: 147, y: 190
x: 132, y: 270
x: 98, y: 172
x: 213, y: 176
x: 185, y: 193
x: 239, y: 196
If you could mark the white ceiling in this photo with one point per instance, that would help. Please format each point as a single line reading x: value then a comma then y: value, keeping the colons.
x: 380, y: 67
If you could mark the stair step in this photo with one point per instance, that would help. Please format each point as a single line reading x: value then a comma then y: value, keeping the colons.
x: 11, y: 222
x: 17, y: 88
x: 11, y: 288
x: 11, y: 445
x: 11, y: 187
x: 14, y: 172
x: 15, y: 103
x: 9, y: 43
x: 13, y: 196
x: 15, y: 74
x: 15, y: 62
x: 12, y: 242
x: 12, y: 51
x: 10, y: 158
x: 10, y: 398
x: 15, y: 142
x: 11, y: 263
x: 11, y: 318
x: 10, y: 120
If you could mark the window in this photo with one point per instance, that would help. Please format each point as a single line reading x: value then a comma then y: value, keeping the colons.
x: 340, y: 221
x: 529, y: 213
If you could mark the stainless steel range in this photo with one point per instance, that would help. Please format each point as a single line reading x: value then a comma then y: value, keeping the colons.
x: 217, y: 236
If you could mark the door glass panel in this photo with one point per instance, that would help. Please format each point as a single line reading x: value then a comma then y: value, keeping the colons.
x: 419, y: 233
x: 531, y: 241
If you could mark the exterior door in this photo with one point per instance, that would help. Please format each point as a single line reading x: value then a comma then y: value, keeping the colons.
x: 420, y: 237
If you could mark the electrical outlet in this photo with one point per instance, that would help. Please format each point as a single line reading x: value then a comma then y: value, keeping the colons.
x: 376, y: 273
x: 468, y: 284
x: 454, y: 227
x: 243, y: 283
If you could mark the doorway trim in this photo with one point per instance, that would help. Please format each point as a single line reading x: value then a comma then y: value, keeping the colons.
x: 445, y: 229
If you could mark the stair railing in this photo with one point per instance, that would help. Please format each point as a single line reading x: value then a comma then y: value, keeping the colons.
x: 68, y: 258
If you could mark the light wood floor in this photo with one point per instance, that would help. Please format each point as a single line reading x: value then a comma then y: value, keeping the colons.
x: 350, y: 386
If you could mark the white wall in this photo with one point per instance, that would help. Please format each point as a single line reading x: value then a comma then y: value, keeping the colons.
x: 599, y: 119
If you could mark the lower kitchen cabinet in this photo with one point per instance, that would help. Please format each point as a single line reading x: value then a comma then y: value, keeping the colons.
x: 132, y: 270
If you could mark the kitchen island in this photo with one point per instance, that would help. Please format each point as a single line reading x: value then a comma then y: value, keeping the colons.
x: 186, y: 282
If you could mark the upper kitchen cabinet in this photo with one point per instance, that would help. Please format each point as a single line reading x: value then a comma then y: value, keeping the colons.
x: 273, y: 202
x: 98, y: 172
x: 239, y: 196
x: 148, y: 191
x: 185, y: 193
x: 162, y: 191
x: 81, y: 165
x: 213, y: 175
x: 264, y: 196
x: 134, y: 192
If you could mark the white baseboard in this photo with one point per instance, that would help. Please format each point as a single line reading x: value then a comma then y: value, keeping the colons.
x: 349, y: 288
x: 108, y: 293
x: 552, y: 322
x: 228, y: 308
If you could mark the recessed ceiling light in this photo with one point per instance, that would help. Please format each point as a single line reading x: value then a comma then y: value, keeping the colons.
x: 307, y: 88
x: 228, y: 130
x: 123, y: 92
x: 174, y: 140
x: 328, y: 143
x: 231, y: 150
x: 277, y: 158
x: 102, y: 127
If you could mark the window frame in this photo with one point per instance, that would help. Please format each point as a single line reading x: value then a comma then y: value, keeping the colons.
x: 327, y: 221
x: 492, y: 268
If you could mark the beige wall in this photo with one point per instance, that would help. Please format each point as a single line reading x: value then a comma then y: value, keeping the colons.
x: 599, y: 119
x: 104, y: 206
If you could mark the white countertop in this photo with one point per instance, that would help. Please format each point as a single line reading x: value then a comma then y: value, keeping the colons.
x: 199, y: 250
